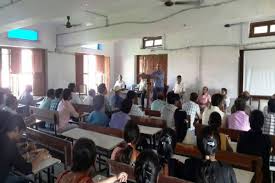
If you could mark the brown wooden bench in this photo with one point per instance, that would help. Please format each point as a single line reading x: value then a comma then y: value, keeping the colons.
x: 44, y: 116
x: 117, y: 167
x: 150, y: 113
x: 241, y: 161
x: 59, y: 148
x: 145, y: 121
x: 82, y: 108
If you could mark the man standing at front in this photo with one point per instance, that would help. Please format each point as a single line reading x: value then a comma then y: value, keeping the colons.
x: 158, y: 78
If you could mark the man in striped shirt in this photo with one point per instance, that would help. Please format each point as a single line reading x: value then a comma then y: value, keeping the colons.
x: 269, y: 115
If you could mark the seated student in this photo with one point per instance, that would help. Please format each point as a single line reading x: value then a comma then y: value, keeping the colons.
x: 239, y: 120
x: 116, y: 99
x: 245, y: 96
x: 204, y: 99
x: 192, y: 109
x: 158, y: 104
x: 216, y: 106
x: 46, y: 103
x: 98, y: 116
x: 75, y: 96
x: 11, y: 104
x: 181, y: 124
x: 226, y: 98
x: 102, y: 90
x: 65, y: 110
x: 168, y: 111
x: 269, y: 118
x: 83, y: 165
x: 57, y: 99
x: 120, y: 119
x: 254, y: 142
x: 135, y: 110
x: 147, y: 167
x: 89, y: 99
x: 26, y: 98
x: 126, y: 152
x: 11, y: 129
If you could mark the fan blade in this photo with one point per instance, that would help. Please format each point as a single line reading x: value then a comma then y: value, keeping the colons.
x: 187, y: 2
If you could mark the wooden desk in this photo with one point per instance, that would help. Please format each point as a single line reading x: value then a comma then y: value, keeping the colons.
x: 150, y: 133
x: 46, y: 164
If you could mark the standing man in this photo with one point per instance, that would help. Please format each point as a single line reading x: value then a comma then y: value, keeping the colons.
x: 158, y: 85
x: 120, y: 83
x: 179, y: 87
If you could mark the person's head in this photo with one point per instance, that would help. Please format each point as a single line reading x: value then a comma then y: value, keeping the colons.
x: 171, y: 98
x: 147, y: 167
x: 11, y: 102
x: 181, y: 125
x: 101, y: 89
x: 98, y: 102
x: 11, y: 125
x: 28, y: 88
x: 58, y: 93
x: 67, y: 94
x: 50, y: 93
x: 84, y: 155
x: 160, y: 96
x: 215, y: 120
x: 91, y: 93
x: 193, y: 97
x: 217, y: 100
x: 245, y: 95
x: 207, y: 144
x: 179, y: 79
x: 240, y: 104
x: 131, y: 95
x: 119, y: 77
x: 204, y: 90
x: 167, y: 144
x: 271, y: 105
x: 72, y: 87
x: 224, y: 91
x: 256, y: 120
x: 126, y: 106
x: 158, y: 67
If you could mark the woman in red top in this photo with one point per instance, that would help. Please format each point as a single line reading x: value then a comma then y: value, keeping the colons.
x: 84, y: 156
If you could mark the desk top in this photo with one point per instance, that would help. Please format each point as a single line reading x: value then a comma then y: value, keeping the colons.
x: 46, y: 164
x: 101, y: 140
x: 148, y: 130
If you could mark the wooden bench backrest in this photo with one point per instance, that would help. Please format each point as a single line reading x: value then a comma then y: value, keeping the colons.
x: 81, y: 108
x: 149, y: 112
x: 104, y: 130
x: 52, y: 143
x: 241, y: 161
x: 151, y: 122
x: 44, y: 115
x: 117, y: 167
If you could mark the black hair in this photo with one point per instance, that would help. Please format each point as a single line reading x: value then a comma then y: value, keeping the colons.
x: 50, y: 93
x: 181, y: 125
x: 58, y: 92
x: 98, y: 102
x: 9, y: 122
x: 167, y: 144
x: 245, y: 95
x: 271, y: 105
x: 240, y: 104
x: 92, y: 92
x: 256, y: 120
x: 71, y: 86
x: 84, y: 155
x: 131, y: 94
x: 171, y: 98
x: 147, y: 167
x: 10, y: 100
x: 126, y: 106
x: 216, y: 99
x: 66, y: 94
x: 101, y: 88
x: 178, y: 76
x: 131, y: 135
x: 215, y: 120
x: 193, y: 97
x: 224, y: 89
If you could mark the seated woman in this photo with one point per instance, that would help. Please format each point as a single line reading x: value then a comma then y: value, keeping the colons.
x: 84, y: 157
x: 98, y: 116
x: 204, y: 99
x: 127, y: 152
x: 65, y: 110
x: 147, y: 167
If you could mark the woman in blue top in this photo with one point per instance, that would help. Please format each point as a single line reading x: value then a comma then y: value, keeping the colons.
x: 98, y: 116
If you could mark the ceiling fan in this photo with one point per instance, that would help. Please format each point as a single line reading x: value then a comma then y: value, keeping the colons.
x: 189, y: 2
x: 68, y: 25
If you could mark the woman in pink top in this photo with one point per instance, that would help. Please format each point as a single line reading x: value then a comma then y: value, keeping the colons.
x: 204, y: 99
x: 65, y: 110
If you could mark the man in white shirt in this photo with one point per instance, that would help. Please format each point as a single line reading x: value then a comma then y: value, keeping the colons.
x: 89, y: 99
x: 142, y: 87
x: 120, y: 83
x: 179, y: 87
x: 217, y: 105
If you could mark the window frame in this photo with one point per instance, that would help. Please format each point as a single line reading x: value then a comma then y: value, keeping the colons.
x: 145, y: 39
x: 253, y: 25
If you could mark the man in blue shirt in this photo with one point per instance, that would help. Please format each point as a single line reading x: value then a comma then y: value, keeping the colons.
x: 158, y: 85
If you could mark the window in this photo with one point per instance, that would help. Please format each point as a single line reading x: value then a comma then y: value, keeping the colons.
x: 5, y: 74
x: 260, y: 29
x: 26, y: 75
x: 151, y: 42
